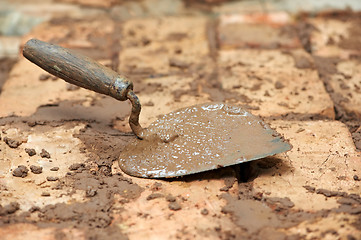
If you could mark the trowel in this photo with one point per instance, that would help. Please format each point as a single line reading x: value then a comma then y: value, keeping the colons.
x: 187, y: 141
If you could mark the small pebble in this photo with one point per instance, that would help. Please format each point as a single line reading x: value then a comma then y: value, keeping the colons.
x: 204, y: 211
x: 154, y: 196
x: 52, y: 178
x: 36, y: 169
x: 156, y: 186
x: 150, y: 104
x: 54, y: 169
x: 356, y: 178
x: 45, y: 194
x: 31, y: 123
x: 30, y: 151
x: 178, y: 63
x: 76, y: 166
x: 44, y: 77
x: 279, y: 85
x: 12, y: 142
x: 20, y: 171
x: 44, y: 154
x: 170, y: 198
x: 300, y: 130
x: 90, y: 192
x: 34, y: 209
x: 175, y: 206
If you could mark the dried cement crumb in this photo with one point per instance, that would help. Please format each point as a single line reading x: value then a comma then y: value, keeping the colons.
x: 30, y: 151
x: 36, y: 169
x: 44, y: 154
x: 20, y: 171
x: 204, y: 211
x: 52, y: 178
x: 175, y: 206
x: 12, y: 142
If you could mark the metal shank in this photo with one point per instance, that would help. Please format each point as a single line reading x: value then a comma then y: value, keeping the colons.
x: 134, y: 116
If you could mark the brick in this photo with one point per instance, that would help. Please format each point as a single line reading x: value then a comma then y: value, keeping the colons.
x: 323, y: 156
x: 192, y: 196
x: 19, y: 230
x: 23, y: 92
x: 91, y: 37
x: 64, y: 149
x: 329, y: 38
x: 164, y: 45
x: 256, y: 31
x: 346, y: 86
x: 320, y: 228
x: 275, y: 82
x: 338, y: 40
x: 45, y: 10
x: 164, y: 98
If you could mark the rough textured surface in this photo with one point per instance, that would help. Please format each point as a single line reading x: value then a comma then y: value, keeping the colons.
x: 312, y: 192
x: 274, y: 82
x: 335, y: 43
x: 336, y: 36
x: 257, y: 30
x: 346, y: 83
x: 178, y: 42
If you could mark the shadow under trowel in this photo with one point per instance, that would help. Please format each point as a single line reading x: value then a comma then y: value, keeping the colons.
x: 101, y: 110
x: 100, y: 115
x: 244, y: 172
x: 273, y: 165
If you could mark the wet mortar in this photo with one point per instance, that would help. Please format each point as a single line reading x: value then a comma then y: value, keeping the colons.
x: 259, y: 215
x: 201, y: 138
x: 93, y: 176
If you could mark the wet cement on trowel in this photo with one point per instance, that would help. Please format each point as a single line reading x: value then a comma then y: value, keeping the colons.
x: 200, y: 138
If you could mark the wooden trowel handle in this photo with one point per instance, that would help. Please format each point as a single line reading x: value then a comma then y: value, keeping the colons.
x: 77, y: 69
x: 84, y: 72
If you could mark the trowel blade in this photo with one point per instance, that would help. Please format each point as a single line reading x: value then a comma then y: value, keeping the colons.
x: 210, y: 136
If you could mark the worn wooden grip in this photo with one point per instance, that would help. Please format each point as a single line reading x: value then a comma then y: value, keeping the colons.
x: 77, y: 69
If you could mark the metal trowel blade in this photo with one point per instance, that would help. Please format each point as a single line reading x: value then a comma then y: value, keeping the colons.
x: 208, y: 136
